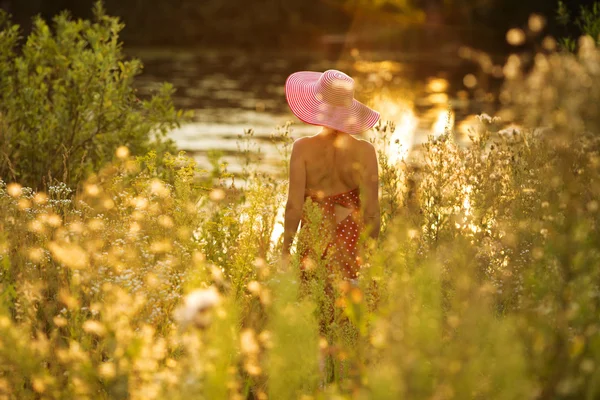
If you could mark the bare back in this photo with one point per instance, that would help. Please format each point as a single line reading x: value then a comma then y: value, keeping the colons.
x: 332, y: 164
x: 341, y: 163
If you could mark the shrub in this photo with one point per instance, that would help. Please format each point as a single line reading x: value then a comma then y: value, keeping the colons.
x: 67, y: 101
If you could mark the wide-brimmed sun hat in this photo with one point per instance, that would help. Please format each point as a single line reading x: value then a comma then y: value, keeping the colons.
x: 327, y: 99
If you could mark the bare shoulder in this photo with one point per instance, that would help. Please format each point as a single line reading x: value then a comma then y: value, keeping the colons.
x: 301, y: 140
x: 300, y: 143
x: 366, y: 147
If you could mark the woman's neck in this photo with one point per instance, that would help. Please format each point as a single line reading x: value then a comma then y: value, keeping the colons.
x: 330, y: 133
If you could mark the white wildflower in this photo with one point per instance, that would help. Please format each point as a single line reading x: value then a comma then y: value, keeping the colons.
x: 510, y: 130
x: 484, y: 118
x: 196, y: 306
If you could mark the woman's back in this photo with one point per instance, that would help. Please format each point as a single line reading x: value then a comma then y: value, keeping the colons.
x: 338, y: 163
x: 337, y: 167
x: 333, y: 164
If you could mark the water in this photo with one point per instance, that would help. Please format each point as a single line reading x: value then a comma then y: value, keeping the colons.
x: 231, y: 91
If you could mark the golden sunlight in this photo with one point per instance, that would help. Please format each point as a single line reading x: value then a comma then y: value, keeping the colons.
x: 377, y: 66
x: 442, y: 122
x: 437, y: 85
x: 469, y: 126
x: 279, y: 223
x: 403, y: 115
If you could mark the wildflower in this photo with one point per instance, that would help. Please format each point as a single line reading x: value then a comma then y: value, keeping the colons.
x: 122, y: 152
x: 161, y: 246
x: 96, y: 224
x: 59, y: 321
x: 134, y: 228
x: 107, y: 370
x: 259, y: 263
x: 309, y: 264
x: 470, y: 81
x: 378, y: 338
x: 266, y: 339
x: 323, y: 344
x: 158, y: 188
x: 196, y: 306
x: 68, y: 254
x: 254, y: 287
x: 40, y: 198
x: 36, y: 254
x: 536, y: 22
x: 76, y: 227
x: 537, y: 253
x: 587, y: 366
x: 14, y: 189
x: 217, y: 195
x: 340, y: 302
x: 171, y: 363
x: 24, y: 204
x: 248, y: 342
x: 484, y: 117
x: 356, y: 295
x: 413, y: 233
x: 549, y: 43
x: 261, y: 395
x: 515, y: 37
x: 265, y: 297
x: 38, y: 384
x: 36, y: 226
x: 252, y: 367
x: 216, y: 274
x: 453, y: 321
x: 108, y: 204
x: 92, y: 190
x: 94, y: 327
x: 511, y: 130
x: 139, y: 202
x: 165, y: 221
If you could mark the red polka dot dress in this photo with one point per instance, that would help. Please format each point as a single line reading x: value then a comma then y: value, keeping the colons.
x: 344, y: 234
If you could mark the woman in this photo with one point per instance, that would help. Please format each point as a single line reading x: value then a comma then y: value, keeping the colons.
x: 332, y: 167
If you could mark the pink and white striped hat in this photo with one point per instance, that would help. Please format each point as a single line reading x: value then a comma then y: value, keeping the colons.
x: 327, y: 99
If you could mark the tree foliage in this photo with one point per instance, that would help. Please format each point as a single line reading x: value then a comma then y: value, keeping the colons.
x: 67, y: 100
x: 587, y: 22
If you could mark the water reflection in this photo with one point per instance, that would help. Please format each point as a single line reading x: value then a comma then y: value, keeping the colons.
x: 438, y: 85
x: 402, y: 113
x: 444, y: 121
x: 232, y: 91
x: 278, y: 229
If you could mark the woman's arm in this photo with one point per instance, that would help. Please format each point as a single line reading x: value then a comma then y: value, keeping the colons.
x: 295, y: 201
x: 370, y: 179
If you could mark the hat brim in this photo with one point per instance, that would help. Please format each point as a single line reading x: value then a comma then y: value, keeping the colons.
x: 301, y: 96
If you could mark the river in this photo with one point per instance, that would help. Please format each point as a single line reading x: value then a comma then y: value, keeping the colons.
x: 233, y: 90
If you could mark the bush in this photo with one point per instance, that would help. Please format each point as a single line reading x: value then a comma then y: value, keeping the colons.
x: 67, y: 101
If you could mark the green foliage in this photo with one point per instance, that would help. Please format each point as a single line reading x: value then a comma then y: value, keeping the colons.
x: 67, y: 101
x: 587, y: 23
x: 295, y: 345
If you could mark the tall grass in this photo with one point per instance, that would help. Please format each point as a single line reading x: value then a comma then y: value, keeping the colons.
x: 484, y: 282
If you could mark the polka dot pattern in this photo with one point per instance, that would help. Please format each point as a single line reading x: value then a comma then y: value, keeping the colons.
x: 345, y: 233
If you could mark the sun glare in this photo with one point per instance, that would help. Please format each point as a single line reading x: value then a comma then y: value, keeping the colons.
x: 402, y: 114
x: 278, y: 228
x: 437, y: 85
x: 442, y: 122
